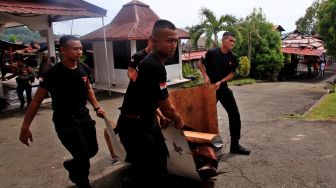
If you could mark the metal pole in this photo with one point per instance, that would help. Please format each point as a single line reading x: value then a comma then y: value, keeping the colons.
x: 106, y: 59
x: 71, y: 26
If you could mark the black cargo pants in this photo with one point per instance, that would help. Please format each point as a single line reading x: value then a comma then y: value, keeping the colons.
x: 24, y: 85
x: 77, y: 133
x: 226, y: 98
x: 146, y: 150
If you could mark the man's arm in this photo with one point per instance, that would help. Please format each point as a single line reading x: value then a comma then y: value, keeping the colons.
x: 169, y: 111
x: 159, y: 113
x: 163, y: 120
x: 32, y: 74
x: 31, y: 71
x: 203, y: 71
x: 225, y: 79
x: 34, y: 105
x: 93, y: 100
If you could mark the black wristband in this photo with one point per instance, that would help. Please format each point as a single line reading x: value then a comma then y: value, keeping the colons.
x: 97, y: 108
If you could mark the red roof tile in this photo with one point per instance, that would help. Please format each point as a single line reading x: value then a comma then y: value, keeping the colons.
x: 298, y: 51
x: 134, y: 21
x: 189, y: 56
x: 61, y: 10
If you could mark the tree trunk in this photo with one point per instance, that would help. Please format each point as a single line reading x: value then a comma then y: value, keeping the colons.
x: 249, y: 48
x: 215, y: 43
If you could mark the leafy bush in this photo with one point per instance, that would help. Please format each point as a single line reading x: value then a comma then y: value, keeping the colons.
x: 189, y: 71
x: 243, y: 81
x: 243, y: 69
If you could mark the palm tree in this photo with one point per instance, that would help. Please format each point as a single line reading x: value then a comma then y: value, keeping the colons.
x: 251, y: 30
x: 210, y: 26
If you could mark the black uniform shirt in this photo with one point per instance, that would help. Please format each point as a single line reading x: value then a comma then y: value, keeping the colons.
x: 218, y: 65
x: 142, y: 96
x: 137, y: 57
x: 67, y: 87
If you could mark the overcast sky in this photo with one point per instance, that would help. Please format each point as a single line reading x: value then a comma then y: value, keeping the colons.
x: 186, y: 12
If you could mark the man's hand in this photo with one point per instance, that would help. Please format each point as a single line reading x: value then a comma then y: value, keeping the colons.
x: 164, y: 122
x: 25, y: 134
x: 179, y: 125
x: 100, y: 112
x: 132, y: 74
x: 217, y: 85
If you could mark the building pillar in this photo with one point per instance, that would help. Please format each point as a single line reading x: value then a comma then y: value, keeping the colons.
x: 51, y: 41
x: 180, y: 58
x: 133, y: 47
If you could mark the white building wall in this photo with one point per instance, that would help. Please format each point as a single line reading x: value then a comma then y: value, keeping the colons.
x: 104, y: 72
x: 118, y: 77
x: 121, y: 78
x: 173, y: 72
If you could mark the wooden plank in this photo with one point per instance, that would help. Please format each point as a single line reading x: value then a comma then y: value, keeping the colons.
x: 203, y: 138
x: 197, y: 106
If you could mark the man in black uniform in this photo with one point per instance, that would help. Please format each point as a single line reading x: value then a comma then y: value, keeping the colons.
x: 25, y: 78
x: 136, y: 126
x: 218, y: 67
x: 136, y: 59
x: 69, y: 86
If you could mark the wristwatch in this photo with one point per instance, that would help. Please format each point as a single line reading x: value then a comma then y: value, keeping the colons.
x: 97, y: 108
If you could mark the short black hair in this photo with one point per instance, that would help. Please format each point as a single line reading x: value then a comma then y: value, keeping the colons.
x: 162, y: 24
x: 228, y: 34
x: 65, y: 38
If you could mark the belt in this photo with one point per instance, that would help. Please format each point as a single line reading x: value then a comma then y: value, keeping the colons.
x: 78, y: 111
x: 131, y: 116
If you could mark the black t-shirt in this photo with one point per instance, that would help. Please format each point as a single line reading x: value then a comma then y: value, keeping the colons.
x: 143, y: 95
x: 218, y: 65
x: 67, y: 87
x: 137, y: 57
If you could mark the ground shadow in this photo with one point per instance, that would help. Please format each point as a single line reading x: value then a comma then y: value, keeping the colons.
x: 303, y: 76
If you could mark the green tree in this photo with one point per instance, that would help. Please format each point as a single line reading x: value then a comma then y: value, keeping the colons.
x: 307, y: 24
x: 327, y: 25
x: 262, y: 43
x: 12, y: 38
x: 251, y: 30
x: 23, y: 34
x: 211, y: 26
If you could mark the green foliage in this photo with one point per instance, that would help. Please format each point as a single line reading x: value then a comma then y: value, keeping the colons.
x: 262, y: 43
x: 243, y: 81
x: 287, y: 58
x: 12, y: 38
x: 190, y: 84
x: 82, y: 59
x: 210, y: 26
x: 188, y: 71
x: 23, y: 34
x: 308, y: 23
x: 244, y: 67
x: 327, y: 25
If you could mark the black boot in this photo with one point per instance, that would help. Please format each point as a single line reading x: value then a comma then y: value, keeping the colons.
x: 81, y: 182
x: 69, y: 167
x: 236, y: 148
